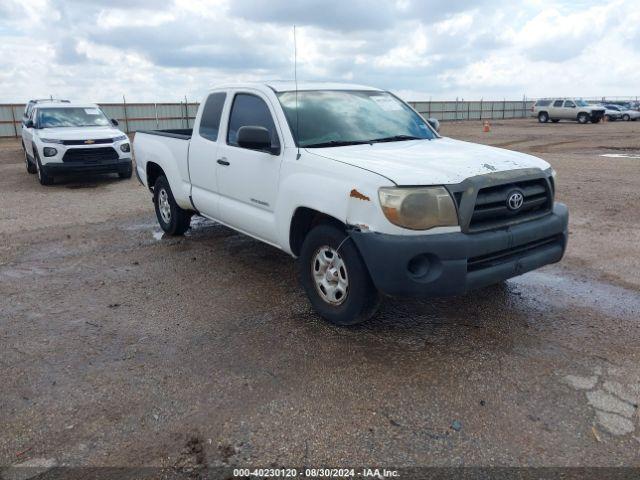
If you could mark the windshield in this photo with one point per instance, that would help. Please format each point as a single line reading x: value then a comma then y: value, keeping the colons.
x: 582, y: 103
x: 346, y: 117
x: 71, y: 117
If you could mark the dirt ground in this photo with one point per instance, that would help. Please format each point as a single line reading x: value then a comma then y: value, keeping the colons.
x: 121, y: 347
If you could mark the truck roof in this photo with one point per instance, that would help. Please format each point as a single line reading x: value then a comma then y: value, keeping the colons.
x: 289, y: 86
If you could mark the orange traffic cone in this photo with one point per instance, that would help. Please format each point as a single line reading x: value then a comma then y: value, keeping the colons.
x: 486, y: 127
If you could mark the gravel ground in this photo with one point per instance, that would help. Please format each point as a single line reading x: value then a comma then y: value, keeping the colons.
x: 121, y: 347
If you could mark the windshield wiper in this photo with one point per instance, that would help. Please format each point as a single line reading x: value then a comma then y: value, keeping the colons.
x: 396, y: 138
x: 337, y: 143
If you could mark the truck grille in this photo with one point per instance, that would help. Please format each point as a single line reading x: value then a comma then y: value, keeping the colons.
x: 86, y: 142
x: 491, y: 208
x: 90, y: 155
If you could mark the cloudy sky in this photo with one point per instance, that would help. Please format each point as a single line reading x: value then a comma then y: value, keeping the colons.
x: 151, y: 50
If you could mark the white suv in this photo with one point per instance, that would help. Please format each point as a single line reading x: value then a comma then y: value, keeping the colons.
x: 556, y: 109
x: 64, y: 137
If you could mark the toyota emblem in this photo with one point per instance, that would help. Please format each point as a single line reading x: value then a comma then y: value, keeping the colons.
x: 515, y: 200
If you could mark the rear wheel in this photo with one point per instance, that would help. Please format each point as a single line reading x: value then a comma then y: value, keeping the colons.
x: 173, y: 219
x: 626, y: 117
x: 543, y: 117
x: 583, y: 118
x: 31, y: 168
x: 44, y: 177
x: 336, y: 278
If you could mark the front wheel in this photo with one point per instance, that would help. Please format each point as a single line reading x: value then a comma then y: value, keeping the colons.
x: 543, y: 117
x: 626, y: 117
x: 336, y: 278
x: 583, y: 118
x: 173, y: 219
x: 44, y: 177
x: 126, y: 173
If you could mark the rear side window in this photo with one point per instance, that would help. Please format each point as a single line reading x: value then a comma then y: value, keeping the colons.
x: 543, y: 103
x: 249, y: 110
x: 210, y: 121
x: 557, y: 103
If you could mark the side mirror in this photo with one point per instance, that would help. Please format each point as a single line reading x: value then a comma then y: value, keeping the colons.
x: 256, y: 138
x: 114, y: 122
x: 434, y: 123
x: 29, y: 124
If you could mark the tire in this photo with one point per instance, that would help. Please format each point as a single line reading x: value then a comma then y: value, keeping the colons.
x: 626, y: 117
x: 555, y: 120
x: 543, y: 117
x: 583, y: 118
x: 353, y: 298
x: 31, y: 168
x: 172, y: 219
x: 126, y: 173
x: 44, y: 177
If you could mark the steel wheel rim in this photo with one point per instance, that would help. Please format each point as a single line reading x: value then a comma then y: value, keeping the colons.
x: 330, y: 277
x: 163, y: 206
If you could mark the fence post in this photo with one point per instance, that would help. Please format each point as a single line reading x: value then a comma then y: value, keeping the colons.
x: 468, y: 110
x: 186, y: 110
x: 504, y: 106
x: 13, y: 117
x: 493, y: 104
x: 126, y: 119
x: 155, y: 108
x: 429, y: 114
x: 455, y: 118
x: 480, y: 108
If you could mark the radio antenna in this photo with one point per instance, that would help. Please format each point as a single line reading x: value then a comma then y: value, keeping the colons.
x: 295, y: 79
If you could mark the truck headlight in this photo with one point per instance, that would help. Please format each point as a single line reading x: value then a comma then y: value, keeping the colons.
x: 418, y: 208
x: 125, y: 147
x: 49, y: 152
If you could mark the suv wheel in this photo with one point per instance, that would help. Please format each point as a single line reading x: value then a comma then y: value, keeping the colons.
x: 173, y: 219
x: 543, y: 117
x: 335, y: 277
x: 44, y: 177
x: 31, y: 168
x: 626, y: 117
x: 583, y: 118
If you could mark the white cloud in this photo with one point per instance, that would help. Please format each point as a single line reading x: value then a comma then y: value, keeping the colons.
x: 101, y: 49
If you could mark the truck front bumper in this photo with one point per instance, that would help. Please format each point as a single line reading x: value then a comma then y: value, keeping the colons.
x: 454, y: 263
x: 121, y: 165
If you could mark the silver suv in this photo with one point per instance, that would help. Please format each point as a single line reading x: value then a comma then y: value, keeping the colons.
x: 556, y: 109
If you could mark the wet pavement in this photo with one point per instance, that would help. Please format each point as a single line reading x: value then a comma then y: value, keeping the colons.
x: 121, y: 346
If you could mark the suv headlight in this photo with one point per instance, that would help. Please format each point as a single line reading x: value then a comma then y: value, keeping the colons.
x: 418, y: 208
x: 50, y: 140
x: 119, y: 138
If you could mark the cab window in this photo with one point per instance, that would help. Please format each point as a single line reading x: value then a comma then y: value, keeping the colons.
x: 211, y: 113
x: 250, y: 110
x: 557, y: 103
x: 569, y: 104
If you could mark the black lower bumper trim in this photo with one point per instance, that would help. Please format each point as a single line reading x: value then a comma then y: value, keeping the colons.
x: 118, y: 166
x: 454, y: 263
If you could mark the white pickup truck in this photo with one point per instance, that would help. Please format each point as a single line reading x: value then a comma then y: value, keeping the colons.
x: 360, y: 188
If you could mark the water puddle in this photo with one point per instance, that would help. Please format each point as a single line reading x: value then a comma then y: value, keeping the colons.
x: 620, y: 155
x: 565, y: 289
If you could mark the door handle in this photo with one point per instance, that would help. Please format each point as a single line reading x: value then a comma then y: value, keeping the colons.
x: 223, y: 161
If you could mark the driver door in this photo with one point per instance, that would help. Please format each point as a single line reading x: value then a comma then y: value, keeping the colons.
x: 248, y: 179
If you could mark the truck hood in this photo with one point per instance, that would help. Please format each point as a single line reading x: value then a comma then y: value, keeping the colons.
x: 430, y: 162
x: 78, y: 133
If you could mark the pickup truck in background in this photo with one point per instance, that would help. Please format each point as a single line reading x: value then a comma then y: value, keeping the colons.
x: 358, y: 187
x: 60, y: 137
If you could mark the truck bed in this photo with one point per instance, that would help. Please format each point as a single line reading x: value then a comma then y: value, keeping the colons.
x: 181, y: 133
